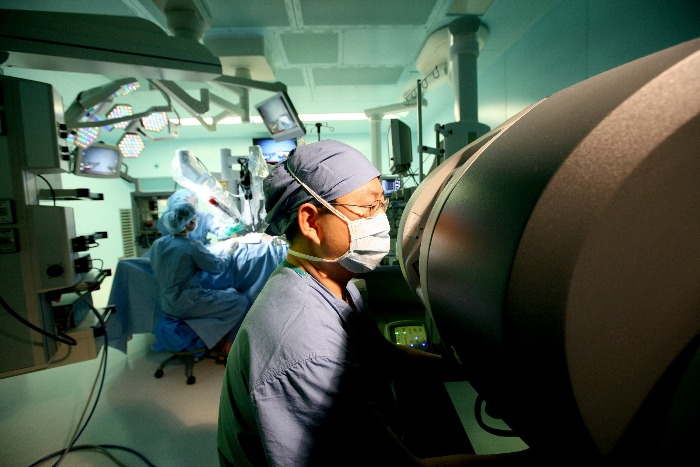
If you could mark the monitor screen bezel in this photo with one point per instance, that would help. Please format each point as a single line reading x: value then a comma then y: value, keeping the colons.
x: 296, y: 129
x: 80, y: 154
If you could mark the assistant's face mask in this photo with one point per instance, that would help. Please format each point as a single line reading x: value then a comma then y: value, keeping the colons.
x: 369, y: 239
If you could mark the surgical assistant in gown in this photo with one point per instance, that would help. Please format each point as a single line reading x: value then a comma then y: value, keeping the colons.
x: 178, y: 263
x: 206, y: 223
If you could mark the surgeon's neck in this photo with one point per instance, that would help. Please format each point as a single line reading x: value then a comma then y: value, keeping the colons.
x: 328, y: 274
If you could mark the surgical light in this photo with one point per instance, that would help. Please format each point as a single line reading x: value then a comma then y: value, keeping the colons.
x: 155, y: 122
x: 84, y: 137
x: 131, y: 145
x: 91, y: 100
x: 118, y: 111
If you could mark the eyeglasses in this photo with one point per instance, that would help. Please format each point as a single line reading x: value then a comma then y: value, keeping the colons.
x: 373, y: 208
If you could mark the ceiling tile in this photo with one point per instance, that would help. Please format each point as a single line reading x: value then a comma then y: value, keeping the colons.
x: 229, y: 14
x: 382, y: 46
x: 369, y: 12
x: 291, y: 76
x: 357, y: 76
x: 304, y: 48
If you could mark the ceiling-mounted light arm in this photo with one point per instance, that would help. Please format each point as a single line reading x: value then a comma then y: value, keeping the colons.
x: 100, y: 123
x: 221, y: 116
x: 393, y: 108
x: 171, y: 135
x: 198, y: 108
x: 90, y: 98
x: 76, y: 111
x: 243, y: 107
x: 251, y: 83
x: 233, y: 108
x: 209, y: 126
x: 124, y: 175
x: 192, y: 105
x: 234, y: 88
x: 136, y: 127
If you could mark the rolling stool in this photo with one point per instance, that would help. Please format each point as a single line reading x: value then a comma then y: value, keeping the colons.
x: 187, y: 348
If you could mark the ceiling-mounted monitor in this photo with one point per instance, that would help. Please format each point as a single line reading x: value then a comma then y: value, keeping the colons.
x: 98, y: 160
x: 400, y: 150
x: 280, y: 117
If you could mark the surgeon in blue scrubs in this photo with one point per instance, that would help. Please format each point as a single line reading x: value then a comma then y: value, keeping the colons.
x: 206, y: 222
x: 308, y: 379
x: 178, y: 262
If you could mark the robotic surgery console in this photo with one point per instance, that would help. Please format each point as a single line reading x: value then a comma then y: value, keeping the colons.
x: 559, y: 257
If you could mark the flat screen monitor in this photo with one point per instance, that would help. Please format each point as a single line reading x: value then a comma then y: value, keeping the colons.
x: 280, y: 117
x: 390, y: 184
x: 98, y: 160
x: 400, y: 150
x: 275, y: 151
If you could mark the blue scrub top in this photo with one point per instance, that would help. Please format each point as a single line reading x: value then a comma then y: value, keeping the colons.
x: 300, y: 356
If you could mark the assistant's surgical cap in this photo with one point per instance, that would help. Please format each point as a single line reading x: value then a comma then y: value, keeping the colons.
x: 330, y: 168
x: 180, y: 196
x: 177, y: 218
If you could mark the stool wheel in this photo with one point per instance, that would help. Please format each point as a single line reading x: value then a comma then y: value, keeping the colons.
x: 191, y: 380
x: 159, y: 373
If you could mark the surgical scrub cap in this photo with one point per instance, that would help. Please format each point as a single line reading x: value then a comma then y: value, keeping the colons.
x: 180, y: 196
x: 330, y: 168
x: 177, y: 218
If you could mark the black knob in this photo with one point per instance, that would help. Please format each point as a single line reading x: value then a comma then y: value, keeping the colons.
x: 55, y: 270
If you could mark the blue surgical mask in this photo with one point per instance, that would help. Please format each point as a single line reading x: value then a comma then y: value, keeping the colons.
x: 369, y: 239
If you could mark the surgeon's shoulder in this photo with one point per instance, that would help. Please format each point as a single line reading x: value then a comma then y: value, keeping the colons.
x: 283, y: 282
x: 289, y: 291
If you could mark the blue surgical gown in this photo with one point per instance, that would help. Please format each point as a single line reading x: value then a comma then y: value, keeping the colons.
x: 135, y: 294
x: 178, y: 263
x: 302, y: 374
x: 205, y: 224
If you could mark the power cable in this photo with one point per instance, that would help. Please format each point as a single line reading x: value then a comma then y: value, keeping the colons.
x: 59, y: 337
x: 101, y: 370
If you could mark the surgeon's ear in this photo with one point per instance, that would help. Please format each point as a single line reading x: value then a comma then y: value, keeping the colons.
x: 308, y: 221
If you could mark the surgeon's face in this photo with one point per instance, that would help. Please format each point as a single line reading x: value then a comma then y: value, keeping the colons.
x: 191, y: 225
x: 336, y: 233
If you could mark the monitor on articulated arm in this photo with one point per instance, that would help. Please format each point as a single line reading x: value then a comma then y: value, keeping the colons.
x: 280, y: 117
x: 98, y: 160
x: 400, y: 150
